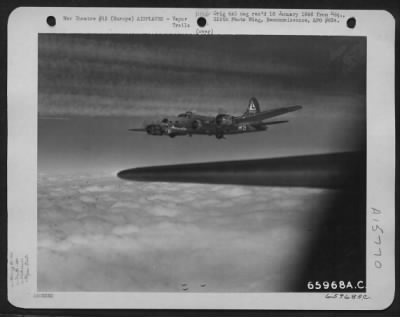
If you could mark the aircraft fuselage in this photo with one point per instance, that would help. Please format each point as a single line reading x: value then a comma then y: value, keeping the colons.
x: 222, y: 124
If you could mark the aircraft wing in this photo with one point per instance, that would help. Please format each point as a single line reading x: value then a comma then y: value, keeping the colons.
x: 333, y: 170
x: 266, y: 114
x: 137, y: 129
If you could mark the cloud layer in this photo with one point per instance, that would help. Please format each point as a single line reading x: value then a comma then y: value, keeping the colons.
x: 97, y: 233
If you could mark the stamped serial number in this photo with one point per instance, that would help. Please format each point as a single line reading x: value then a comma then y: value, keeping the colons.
x: 333, y: 285
x: 347, y: 296
x: 43, y: 295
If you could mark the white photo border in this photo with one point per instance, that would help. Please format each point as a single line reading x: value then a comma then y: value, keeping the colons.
x: 25, y: 24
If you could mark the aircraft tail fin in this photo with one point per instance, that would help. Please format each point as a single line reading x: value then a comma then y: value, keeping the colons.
x: 253, y: 107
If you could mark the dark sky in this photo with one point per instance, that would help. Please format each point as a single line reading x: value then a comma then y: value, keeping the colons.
x: 92, y: 88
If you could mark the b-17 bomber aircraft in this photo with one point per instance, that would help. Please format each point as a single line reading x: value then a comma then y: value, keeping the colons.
x: 190, y: 123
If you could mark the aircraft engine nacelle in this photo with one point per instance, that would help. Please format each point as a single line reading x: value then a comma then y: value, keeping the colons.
x: 196, y: 124
x: 154, y: 129
x: 223, y: 119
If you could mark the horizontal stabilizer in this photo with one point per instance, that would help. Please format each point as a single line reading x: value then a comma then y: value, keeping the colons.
x: 266, y: 114
x: 274, y: 122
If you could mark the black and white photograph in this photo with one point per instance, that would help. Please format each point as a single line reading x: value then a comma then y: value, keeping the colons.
x: 108, y: 103
x: 200, y: 159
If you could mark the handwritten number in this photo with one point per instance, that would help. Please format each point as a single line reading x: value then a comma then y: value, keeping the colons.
x: 376, y: 227
x: 378, y: 264
x: 376, y: 211
x: 378, y: 254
